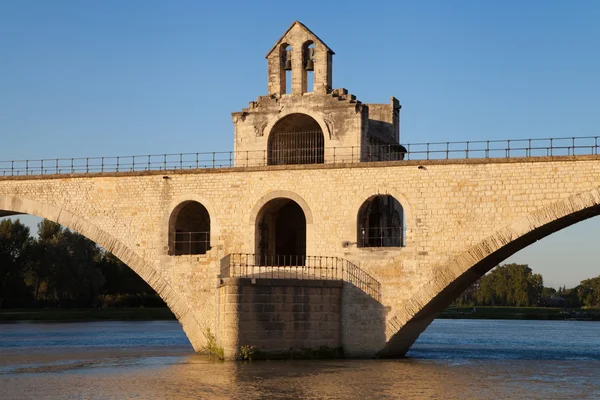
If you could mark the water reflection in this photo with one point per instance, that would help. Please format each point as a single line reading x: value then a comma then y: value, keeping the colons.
x: 453, y: 360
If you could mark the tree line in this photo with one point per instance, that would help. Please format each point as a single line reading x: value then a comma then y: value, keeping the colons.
x: 63, y: 269
x: 515, y: 285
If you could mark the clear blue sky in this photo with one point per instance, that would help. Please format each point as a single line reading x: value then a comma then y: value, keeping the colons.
x: 83, y: 78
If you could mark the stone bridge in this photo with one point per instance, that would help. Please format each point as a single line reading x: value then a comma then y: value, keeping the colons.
x: 461, y: 218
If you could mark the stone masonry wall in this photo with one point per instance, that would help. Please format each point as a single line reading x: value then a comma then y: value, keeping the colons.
x: 456, y: 213
x: 279, y: 315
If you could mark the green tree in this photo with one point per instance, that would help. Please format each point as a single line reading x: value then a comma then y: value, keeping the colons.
x: 588, y: 292
x: 65, y: 269
x: 14, y: 246
x: 510, y: 285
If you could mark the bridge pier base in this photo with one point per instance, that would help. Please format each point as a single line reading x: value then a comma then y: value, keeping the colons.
x: 295, y: 318
x: 279, y: 317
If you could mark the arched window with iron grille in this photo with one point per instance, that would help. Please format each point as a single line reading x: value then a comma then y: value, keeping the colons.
x: 296, y: 139
x: 380, y: 222
x: 189, y: 229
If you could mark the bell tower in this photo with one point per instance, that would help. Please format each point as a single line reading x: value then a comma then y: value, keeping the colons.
x: 304, y: 120
x: 300, y: 56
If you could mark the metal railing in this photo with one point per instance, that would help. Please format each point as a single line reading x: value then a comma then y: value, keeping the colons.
x: 389, y: 236
x: 331, y: 155
x: 186, y: 243
x: 245, y: 265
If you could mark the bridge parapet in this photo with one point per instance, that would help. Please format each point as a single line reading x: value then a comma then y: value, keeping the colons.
x: 512, y: 148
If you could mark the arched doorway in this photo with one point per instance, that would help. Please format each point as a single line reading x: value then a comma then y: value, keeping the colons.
x: 380, y: 222
x: 296, y: 139
x: 281, y: 233
x: 189, y: 229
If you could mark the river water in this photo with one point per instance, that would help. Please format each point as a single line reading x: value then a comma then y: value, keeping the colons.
x: 453, y: 359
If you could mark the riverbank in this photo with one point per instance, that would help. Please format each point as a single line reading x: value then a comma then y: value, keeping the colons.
x: 86, y: 314
x: 521, y: 313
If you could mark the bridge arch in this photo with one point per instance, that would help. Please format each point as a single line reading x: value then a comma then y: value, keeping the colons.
x: 458, y: 274
x: 22, y: 205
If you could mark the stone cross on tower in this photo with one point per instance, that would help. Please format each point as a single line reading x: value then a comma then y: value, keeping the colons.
x: 299, y: 51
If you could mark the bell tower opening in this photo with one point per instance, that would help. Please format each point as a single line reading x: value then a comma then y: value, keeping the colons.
x: 308, y: 72
x: 286, y: 68
x: 296, y: 139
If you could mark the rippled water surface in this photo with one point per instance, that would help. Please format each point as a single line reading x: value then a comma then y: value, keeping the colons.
x: 153, y: 360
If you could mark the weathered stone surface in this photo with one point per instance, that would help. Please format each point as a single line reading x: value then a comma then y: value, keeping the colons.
x: 276, y: 330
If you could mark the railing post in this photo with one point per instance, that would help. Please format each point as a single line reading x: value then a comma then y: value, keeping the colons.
x: 551, y: 152
x: 180, y: 161
x: 595, y: 144
x: 57, y: 165
x: 467, y: 151
x: 165, y: 161
x: 528, y: 153
x: 447, y: 150
x: 508, y: 149
x: 427, y: 150
x: 487, y: 149
x: 148, y: 162
x: 87, y: 165
x: 42, y: 167
x: 573, y: 143
x: 213, y: 159
x: 133, y: 163
x: 117, y: 164
x: 102, y: 165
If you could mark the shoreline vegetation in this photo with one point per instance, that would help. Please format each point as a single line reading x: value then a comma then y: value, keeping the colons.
x: 521, y: 313
x: 86, y: 314
x: 164, y: 314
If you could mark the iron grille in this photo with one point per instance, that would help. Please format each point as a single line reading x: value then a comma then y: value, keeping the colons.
x: 389, y: 236
x: 305, y: 147
x: 185, y: 243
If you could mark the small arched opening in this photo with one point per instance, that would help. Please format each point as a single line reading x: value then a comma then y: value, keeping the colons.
x: 296, y: 139
x: 381, y: 222
x: 189, y: 229
x: 281, y: 233
x: 285, y: 55
x: 308, y: 66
